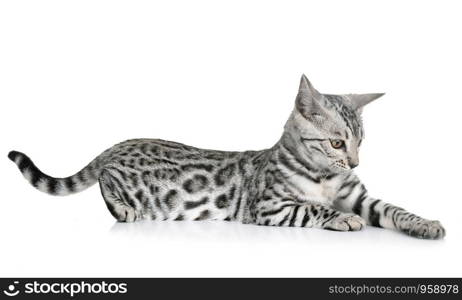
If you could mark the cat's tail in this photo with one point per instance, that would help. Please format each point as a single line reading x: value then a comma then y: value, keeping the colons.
x: 56, y: 186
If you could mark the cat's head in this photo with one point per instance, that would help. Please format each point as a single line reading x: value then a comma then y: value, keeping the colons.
x: 327, y: 129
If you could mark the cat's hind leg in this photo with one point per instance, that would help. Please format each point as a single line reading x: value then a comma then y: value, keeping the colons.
x: 118, y: 201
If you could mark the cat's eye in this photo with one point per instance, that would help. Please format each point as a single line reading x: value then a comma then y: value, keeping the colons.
x: 337, y: 144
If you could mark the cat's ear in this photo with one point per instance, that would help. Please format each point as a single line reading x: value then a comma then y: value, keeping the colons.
x: 358, y: 101
x: 308, y: 101
x: 307, y: 87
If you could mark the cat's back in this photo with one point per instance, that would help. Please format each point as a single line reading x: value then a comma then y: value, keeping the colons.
x: 170, y: 151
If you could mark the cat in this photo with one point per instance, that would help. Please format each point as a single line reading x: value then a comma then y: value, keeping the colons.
x: 305, y: 180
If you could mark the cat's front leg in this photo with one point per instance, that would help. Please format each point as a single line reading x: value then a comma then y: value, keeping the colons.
x: 381, y: 214
x: 353, y: 197
x: 286, y: 212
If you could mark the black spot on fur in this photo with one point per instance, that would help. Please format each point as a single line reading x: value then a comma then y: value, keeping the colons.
x: 222, y: 201
x: 203, y: 215
x: 171, y: 199
x: 194, y: 204
x: 224, y: 174
x: 152, y: 189
x: 180, y: 217
x: 139, y: 195
x: 195, y: 184
x: 314, y: 211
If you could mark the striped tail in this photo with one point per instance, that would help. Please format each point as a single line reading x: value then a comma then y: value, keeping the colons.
x: 56, y: 186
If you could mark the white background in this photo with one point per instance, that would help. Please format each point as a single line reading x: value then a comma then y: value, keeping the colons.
x: 79, y: 76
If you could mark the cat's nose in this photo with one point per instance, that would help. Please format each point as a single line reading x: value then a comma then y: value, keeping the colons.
x: 353, y: 158
x: 353, y: 163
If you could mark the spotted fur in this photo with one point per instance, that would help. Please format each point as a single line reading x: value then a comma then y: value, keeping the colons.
x: 301, y: 181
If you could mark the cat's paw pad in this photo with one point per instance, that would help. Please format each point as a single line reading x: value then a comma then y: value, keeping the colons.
x: 346, y: 222
x: 426, y: 229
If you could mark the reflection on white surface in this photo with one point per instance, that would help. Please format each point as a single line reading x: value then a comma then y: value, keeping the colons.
x: 99, y: 247
x: 236, y: 232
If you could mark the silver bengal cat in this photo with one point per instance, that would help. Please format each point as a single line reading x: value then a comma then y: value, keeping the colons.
x: 304, y: 180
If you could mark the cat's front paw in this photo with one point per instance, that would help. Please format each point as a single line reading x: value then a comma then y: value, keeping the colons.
x: 346, y: 222
x: 426, y: 229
